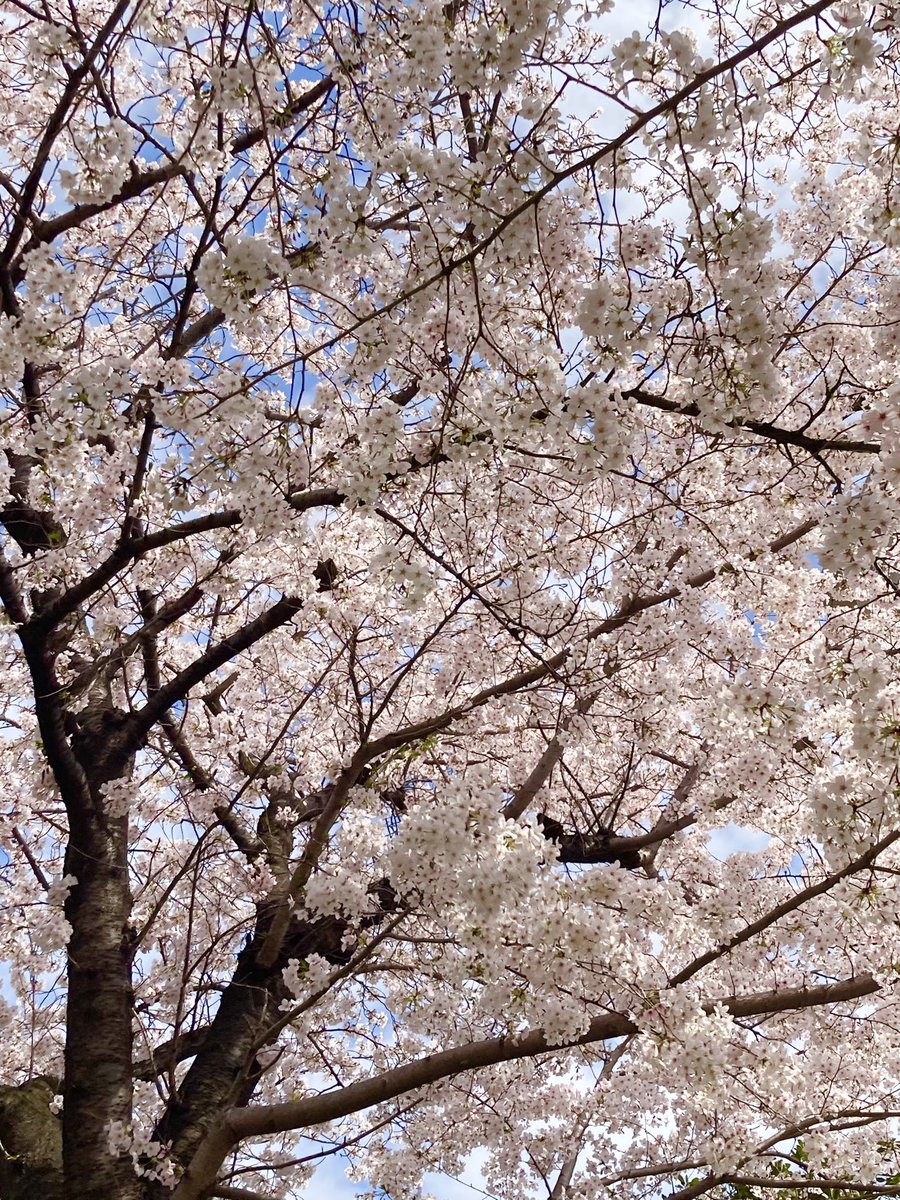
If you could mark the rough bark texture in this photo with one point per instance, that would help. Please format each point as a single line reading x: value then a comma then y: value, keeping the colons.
x: 98, y: 1081
x: 225, y: 1071
x: 30, y: 1143
x: 84, y: 753
x: 98, y: 1057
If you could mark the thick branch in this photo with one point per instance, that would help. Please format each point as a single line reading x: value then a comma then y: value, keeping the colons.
x: 252, y: 137
x: 263, y: 1120
x: 167, y: 1056
x: 774, y: 433
x: 782, y: 910
x: 54, y: 126
x: 141, y: 182
x: 216, y: 656
x: 813, y: 1184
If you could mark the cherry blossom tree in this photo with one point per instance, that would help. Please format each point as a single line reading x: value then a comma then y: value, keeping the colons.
x: 450, y: 683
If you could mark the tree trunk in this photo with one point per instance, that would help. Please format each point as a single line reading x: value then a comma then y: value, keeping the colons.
x: 30, y: 1143
x: 224, y: 1071
x: 98, y: 1080
x: 84, y: 752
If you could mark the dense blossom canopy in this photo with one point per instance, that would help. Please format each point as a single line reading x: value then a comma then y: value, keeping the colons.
x: 450, y: 656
